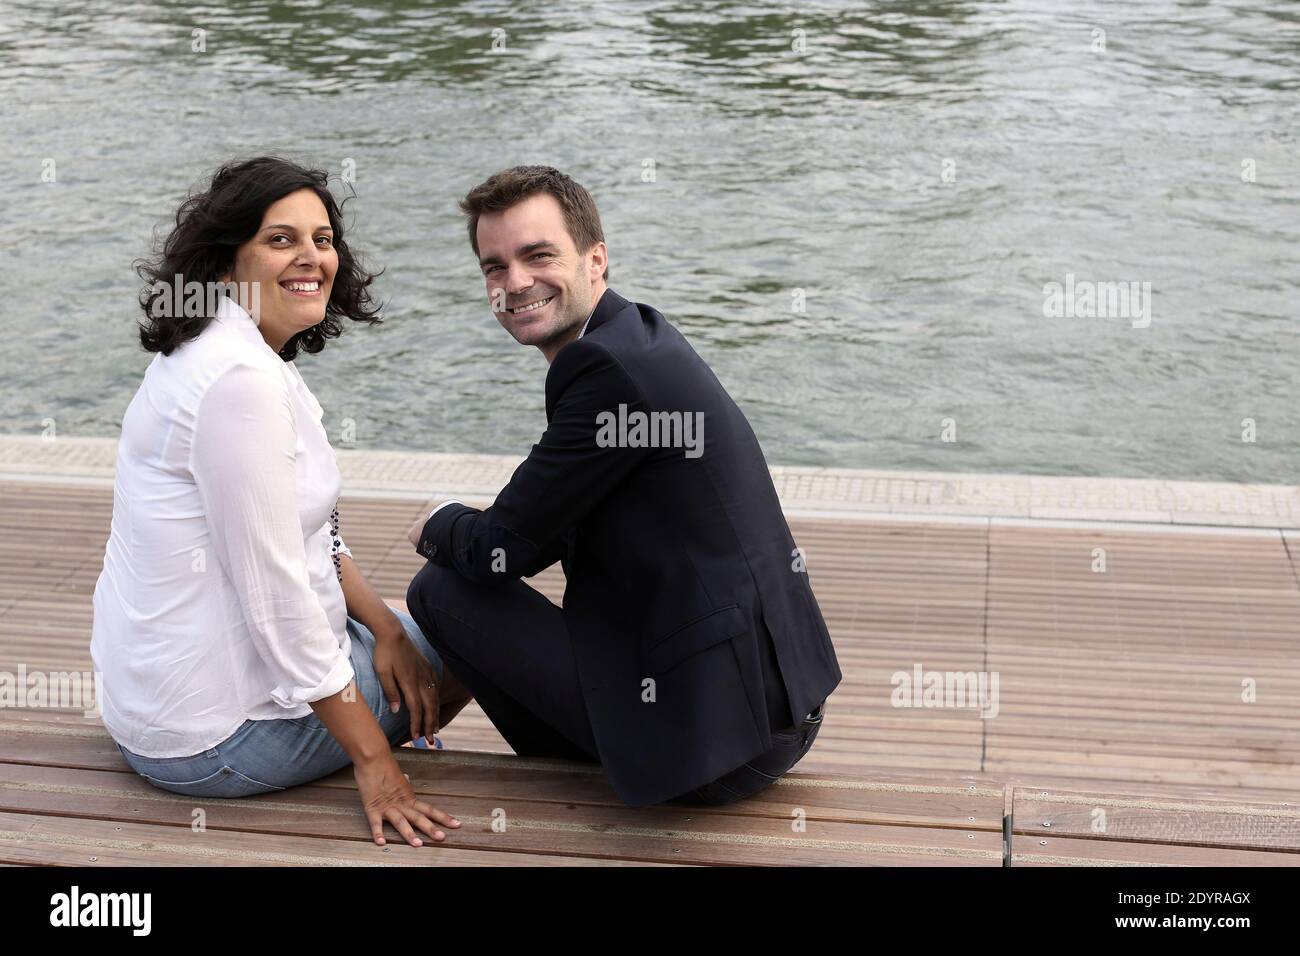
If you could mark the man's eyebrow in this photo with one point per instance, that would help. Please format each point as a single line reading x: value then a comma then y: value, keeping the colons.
x: 285, y: 225
x: 522, y: 251
x: 534, y: 246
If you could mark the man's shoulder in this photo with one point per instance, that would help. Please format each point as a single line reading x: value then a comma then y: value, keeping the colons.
x: 597, y: 363
x: 634, y: 327
x: 627, y: 338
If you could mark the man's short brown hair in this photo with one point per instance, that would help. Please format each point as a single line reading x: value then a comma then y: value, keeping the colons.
x: 514, y: 185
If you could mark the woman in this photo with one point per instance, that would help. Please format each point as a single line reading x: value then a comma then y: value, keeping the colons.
x: 242, y: 650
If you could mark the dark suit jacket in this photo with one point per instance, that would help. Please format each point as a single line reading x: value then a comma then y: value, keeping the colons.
x: 674, y: 562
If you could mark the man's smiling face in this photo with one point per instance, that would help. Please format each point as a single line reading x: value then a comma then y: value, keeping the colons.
x: 541, y: 287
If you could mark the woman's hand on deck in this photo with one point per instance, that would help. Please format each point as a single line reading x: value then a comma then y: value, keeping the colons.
x: 388, y: 797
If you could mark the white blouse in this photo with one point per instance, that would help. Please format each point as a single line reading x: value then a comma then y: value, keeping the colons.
x: 219, y: 601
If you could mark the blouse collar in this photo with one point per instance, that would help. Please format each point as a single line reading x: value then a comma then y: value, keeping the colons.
x: 230, y: 311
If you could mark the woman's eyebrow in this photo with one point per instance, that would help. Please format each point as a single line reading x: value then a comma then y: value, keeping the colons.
x: 285, y: 225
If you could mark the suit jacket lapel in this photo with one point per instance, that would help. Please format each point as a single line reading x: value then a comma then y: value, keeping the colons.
x: 610, y: 305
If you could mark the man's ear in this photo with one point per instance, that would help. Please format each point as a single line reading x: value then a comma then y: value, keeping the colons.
x: 599, y: 260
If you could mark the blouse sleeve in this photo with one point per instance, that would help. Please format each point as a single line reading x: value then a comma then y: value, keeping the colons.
x: 242, y: 459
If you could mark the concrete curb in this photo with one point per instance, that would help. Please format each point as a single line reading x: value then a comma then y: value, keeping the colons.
x: 832, y: 492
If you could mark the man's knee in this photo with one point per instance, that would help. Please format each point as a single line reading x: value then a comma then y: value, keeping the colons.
x: 427, y: 594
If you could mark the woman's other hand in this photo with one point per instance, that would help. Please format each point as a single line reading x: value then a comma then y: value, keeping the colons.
x: 406, y: 675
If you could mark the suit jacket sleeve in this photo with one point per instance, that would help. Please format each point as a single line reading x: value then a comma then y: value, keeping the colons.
x: 564, y: 476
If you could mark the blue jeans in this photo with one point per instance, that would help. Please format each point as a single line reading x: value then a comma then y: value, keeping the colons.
x: 267, y: 755
x: 788, y: 748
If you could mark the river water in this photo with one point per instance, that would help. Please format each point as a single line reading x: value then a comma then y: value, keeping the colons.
x: 853, y: 212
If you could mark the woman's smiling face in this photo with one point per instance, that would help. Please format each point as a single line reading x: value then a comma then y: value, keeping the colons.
x: 293, y: 261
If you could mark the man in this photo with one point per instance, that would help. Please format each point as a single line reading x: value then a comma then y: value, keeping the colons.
x: 689, y: 658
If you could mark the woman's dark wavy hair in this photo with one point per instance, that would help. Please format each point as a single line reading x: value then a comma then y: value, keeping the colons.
x: 212, y: 224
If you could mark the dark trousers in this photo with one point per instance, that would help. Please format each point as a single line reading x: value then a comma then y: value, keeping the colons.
x: 509, y: 645
x: 788, y: 748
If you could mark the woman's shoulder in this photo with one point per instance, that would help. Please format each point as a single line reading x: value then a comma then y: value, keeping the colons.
x: 221, y: 347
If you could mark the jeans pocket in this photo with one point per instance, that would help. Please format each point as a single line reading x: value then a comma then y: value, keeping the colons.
x: 223, y: 783
x: 310, y: 722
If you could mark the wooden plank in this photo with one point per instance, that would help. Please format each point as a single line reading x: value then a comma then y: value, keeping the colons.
x: 930, y: 800
x: 1110, y: 817
x: 1135, y: 673
x: 1073, y: 851
x: 35, y: 721
x: 40, y: 840
x: 508, y: 825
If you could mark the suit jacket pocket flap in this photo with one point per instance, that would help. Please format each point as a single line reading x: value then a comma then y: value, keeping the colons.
x: 714, y: 628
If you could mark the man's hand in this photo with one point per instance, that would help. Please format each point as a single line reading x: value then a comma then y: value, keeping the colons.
x: 413, y: 534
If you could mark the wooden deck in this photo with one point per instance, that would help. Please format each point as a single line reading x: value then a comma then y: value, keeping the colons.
x: 1149, y: 713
